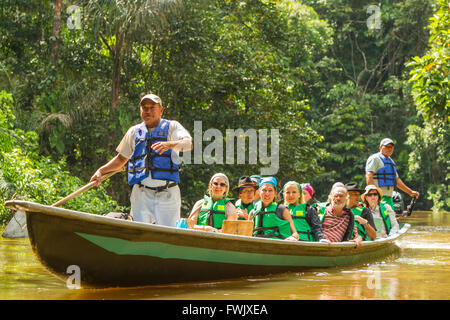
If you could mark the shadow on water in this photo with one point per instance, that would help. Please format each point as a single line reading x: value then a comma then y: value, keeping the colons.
x: 417, y: 270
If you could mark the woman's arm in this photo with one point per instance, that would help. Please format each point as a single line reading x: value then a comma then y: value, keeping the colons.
x: 287, y: 216
x: 313, y: 220
x: 369, y: 225
x: 394, y: 224
x: 195, y: 211
x: 230, y: 211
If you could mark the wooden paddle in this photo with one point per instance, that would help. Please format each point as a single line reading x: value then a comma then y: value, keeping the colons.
x: 85, y: 188
x: 16, y: 227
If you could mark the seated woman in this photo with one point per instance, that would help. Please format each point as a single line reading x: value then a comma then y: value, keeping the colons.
x: 272, y: 220
x: 308, y: 194
x: 305, y: 217
x: 380, y: 209
x: 209, y: 213
x: 246, y: 194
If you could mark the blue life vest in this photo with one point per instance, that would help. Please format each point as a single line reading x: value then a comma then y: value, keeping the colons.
x: 145, y: 159
x: 387, y: 175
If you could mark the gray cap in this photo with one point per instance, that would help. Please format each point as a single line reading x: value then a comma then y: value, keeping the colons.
x: 152, y: 97
x: 386, y: 141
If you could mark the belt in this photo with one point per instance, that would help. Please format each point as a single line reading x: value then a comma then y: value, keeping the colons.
x: 159, y: 188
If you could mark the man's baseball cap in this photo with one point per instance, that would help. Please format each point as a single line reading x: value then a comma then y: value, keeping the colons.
x: 386, y: 141
x: 152, y: 97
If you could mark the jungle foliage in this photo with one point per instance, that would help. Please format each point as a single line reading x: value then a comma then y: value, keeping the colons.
x: 331, y: 76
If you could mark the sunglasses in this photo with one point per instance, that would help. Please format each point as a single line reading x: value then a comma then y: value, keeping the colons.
x: 219, y: 184
x: 372, y: 194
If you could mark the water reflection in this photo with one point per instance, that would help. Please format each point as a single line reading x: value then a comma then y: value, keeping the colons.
x: 370, y: 283
x: 419, y: 270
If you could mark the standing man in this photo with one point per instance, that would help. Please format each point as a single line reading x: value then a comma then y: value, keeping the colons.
x: 151, y: 149
x: 382, y: 172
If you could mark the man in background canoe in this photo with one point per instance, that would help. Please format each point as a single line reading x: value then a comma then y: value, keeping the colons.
x: 151, y: 149
x: 381, y: 171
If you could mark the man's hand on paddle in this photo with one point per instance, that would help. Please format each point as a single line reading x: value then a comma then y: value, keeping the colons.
x: 415, y: 194
x: 114, y: 164
x: 97, y: 177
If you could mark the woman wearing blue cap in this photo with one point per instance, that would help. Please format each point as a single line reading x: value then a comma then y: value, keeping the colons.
x: 272, y: 220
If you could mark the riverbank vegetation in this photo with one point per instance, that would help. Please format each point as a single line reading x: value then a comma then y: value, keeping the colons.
x: 333, y: 77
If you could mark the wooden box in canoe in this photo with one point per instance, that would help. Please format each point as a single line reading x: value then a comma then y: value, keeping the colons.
x: 111, y: 252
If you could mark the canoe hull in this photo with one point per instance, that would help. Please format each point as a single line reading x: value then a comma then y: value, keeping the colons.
x: 111, y: 252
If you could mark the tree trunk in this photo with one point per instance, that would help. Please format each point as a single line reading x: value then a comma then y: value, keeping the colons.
x: 116, y: 74
x: 115, y: 83
x: 56, y: 31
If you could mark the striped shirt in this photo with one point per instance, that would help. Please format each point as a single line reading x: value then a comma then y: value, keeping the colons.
x: 334, y: 227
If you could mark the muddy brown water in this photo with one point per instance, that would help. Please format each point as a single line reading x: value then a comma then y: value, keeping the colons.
x: 419, y: 270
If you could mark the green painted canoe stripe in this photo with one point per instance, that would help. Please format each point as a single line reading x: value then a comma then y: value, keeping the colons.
x: 170, y: 251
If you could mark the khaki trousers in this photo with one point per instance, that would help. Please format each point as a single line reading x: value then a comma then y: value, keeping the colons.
x: 161, y: 208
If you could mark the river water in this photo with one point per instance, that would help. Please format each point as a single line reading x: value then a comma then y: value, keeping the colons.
x: 419, y: 270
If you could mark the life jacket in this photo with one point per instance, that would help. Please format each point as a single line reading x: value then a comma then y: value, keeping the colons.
x: 144, y: 159
x: 212, y: 213
x: 312, y: 201
x: 302, y: 226
x: 238, y: 204
x: 361, y: 230
x: 385, y: 217
x: 269, y: 222
x: 350, y: 227
x: 320, y: 207
x: 387, y: 175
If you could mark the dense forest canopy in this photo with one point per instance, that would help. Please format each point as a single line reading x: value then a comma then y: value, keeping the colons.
x: 325, y: 80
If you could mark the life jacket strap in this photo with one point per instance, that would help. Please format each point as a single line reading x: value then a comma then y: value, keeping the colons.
x: 275, y: 232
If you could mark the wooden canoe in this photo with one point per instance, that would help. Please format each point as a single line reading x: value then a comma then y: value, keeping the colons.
x: 111, y: 252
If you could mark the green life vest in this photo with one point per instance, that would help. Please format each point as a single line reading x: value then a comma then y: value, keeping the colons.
x: 269, y: 222
x: 385, y: 216
x: 302, y: 226
x: 361, y: 230
x: 320, y: 207
x: 238, y: 204
x: 212, y: 214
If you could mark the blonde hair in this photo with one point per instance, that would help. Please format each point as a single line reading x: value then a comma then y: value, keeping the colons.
x: 300, y: 190
x: 224, y: 177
